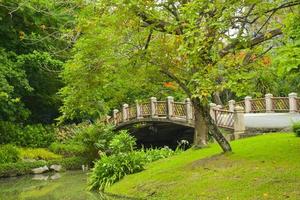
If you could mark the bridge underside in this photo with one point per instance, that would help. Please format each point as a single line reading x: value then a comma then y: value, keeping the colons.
x: 159, y: 134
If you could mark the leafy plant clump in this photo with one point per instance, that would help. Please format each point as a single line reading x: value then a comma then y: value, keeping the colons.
x: 68, y: 149
x: 33, y: 136
x: 296, y: 129
x: 9, y: 154
x: 123, y: 160
x: 110, y: 169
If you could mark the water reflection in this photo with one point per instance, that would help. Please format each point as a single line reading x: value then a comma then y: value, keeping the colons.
x: 57, y: 186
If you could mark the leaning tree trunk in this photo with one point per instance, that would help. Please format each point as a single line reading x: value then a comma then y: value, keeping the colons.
x: 201, y: 129
x: 205, y: 124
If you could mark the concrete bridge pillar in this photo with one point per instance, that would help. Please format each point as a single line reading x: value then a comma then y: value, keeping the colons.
x: 170, y: 101
x: 239, y: 121
x: 115, y: 111
x: 231, y: 105
x: 293, y: 102
x: 138, y: 110
x: 188, y: 110
x: 269, y: 104
x: 125, y: 112
x: 248, y: 104
x: 153, y: 103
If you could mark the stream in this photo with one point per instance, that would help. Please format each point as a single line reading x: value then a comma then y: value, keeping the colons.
x: 70, y: 185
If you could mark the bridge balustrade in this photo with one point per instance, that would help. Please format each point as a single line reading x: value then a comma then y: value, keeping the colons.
x: 230, y: 117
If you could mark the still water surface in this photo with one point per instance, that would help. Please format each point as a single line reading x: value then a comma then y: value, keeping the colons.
x: 69, y: 185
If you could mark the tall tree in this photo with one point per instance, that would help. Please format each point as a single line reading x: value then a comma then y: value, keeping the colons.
x: 202, y: 46
x: 39, y: 35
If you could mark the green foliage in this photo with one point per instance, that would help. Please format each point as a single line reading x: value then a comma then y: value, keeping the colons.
x: 296, y: 129
x: 35, y: 38
x: 287, y: 57
x: 123, y: 161
x: 19, y: 168
x: 22, y: 168
x: 42, y: 72
x: 9, y: 132
x: 26, y: 136
x: 37, y: 154
x: 152, y: 155
x: 122, y: 143
x: 68, y: 149
x: 13, y: 84
x: 94, y: 138
x: 9, y: 154
x: 70, y: 163
x: 110, y: 169
x: 193, y: 173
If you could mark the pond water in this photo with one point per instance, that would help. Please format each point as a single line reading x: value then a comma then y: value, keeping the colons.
x: 69, y: 185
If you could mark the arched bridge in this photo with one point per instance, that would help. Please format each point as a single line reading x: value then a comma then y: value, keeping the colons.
x: 177, y: 118
x: 181, y: 113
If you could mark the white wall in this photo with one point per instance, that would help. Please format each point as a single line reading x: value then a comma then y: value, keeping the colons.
x: 270, y: 120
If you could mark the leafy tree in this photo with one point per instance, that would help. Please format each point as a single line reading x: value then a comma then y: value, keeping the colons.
x: 287, y: 56
x: 38, y: 34
x: 13, y: 84
x: 205, y: 47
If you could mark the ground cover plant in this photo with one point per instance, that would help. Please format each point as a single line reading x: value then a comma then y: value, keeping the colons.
x: 262, y: 167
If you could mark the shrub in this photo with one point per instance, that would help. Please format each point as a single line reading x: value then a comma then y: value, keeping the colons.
x: 95, y: 138
x: 296, y: 128
x: 27, y: 136
x: 19, y: 168
x: 152, y: 155
x: 38, y: 154
x: 36, y: 136
x: 9, y: 132
x: 110, y: 169
x: 123, y: 142
x: 68, y: 149
x: 9, y: 154
x: 70, y: 163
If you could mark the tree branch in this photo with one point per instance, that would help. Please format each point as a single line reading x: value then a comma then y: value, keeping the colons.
x: 177, y: 80
x: 253, y: 42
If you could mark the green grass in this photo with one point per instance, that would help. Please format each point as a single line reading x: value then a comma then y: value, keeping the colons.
x: 262, y: 167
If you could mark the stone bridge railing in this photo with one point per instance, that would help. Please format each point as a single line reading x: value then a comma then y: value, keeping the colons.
x: 169, y: 110
x: 231, y: 116
x: 268, y: 104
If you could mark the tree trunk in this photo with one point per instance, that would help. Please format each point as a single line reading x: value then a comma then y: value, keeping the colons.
x: 201, y: 129
x: 217, y: 98
x: 209, y: 125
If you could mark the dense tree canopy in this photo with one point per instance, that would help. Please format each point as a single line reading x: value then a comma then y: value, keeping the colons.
x: 34, y: 39
x: 86, y: 57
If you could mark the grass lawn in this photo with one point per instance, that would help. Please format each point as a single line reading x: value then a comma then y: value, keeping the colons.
x: 261, y: 167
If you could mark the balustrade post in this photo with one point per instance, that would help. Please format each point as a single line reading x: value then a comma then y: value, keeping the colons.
x: 107, y: 119
x: 138, y: 110
x: 248, y: 107
x: 188, y: 110
x: 212, y: 107
x: 115, y: 111
x: 231, y: 105
x: 239, y: 121
x: 125, y: 112
x: 170, y: 101
x: 269, y: 103
x: 153, y: 103
x: 293, y: 102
